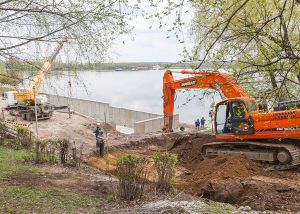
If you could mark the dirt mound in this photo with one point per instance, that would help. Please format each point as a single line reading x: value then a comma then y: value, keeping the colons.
x: 268, y: 195
x: 108, y: 163
x: 231, y: 179
x: 240, y: 181
x: 188, y: 147
x: 161, y: 142
x: 219, y: 169
x: 109, y: 129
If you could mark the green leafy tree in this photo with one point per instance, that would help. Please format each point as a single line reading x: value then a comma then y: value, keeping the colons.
x: 259, y: 39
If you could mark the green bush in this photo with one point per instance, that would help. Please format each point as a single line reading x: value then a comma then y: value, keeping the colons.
x: 55, y: 151
x: 64, y: 150
x: 132, y: 174
x: 21, y: 140
x: 165, y: 165
x: 24, y: 138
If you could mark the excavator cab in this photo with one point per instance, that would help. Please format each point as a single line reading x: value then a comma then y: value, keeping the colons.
x: 233, y: 117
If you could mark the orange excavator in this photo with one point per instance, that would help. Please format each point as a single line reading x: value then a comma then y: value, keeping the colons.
x: 239, y: 125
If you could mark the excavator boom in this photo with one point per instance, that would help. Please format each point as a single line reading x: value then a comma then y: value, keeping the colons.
x: 237, y: 121
x: 222, y: 82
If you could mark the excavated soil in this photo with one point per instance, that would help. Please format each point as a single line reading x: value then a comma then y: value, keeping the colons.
x: 242, y: 182
x: 200, y: 175
x: 231, y: 179
x: 188, y: 147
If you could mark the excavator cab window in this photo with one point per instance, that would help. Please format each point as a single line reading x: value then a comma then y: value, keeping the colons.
x: 232, y: 118
x: 241, y: 122
x: 222, y: 115
x: 238, y: 109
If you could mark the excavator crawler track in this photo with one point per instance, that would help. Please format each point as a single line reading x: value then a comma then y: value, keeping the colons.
x: 280, y: 156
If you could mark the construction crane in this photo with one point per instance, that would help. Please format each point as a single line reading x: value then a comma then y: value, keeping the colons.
x: 22, y: 102
x: 238, y: 124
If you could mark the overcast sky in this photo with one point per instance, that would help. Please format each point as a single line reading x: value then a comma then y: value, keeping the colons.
x: 149, y: 45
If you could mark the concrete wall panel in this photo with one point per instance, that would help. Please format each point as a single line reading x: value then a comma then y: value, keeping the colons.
x: 142, y: 122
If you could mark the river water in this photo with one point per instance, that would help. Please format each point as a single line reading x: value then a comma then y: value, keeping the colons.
x: 137, y: 90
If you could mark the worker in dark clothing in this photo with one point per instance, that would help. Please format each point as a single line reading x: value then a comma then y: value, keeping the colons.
x: 202, y: 122
x: 99, y: 133
x: 197, y: 124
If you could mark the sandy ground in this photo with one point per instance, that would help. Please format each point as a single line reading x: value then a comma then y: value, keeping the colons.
x: 77, y: 129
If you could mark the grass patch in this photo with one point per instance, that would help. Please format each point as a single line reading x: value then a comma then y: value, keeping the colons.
x: 207, y: 131
x: 217, y: 208
x: 22, y: 199
x: 15, y: 199
x: 11, y: 162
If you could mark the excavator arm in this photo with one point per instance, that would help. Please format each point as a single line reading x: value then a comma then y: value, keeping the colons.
x: 239, y: 126
x: 27, y: 95
x: 201, y: 79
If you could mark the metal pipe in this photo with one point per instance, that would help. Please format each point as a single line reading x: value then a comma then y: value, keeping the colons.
x: 35, y: 112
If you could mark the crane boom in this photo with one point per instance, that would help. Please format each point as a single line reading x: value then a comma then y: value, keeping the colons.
x: 27, y: 95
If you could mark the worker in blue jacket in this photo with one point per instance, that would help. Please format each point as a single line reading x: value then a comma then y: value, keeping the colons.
x: 99, y: 133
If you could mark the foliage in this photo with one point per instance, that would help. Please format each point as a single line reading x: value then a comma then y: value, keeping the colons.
x: 55, y: 151
x: 257, y: 41
x: 24, y: 138
x: 11, y: 161
x: 89, y: 25
x: 3, y: 132
x: 165, y: 165
x: 260, y: 39
x: 31, y: 29
x: 64, y: 150
x: 7, y: 76
x: 132, y: 174
x: 45, y: 151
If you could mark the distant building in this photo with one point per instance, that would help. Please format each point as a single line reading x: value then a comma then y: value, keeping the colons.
x: 156, y: 67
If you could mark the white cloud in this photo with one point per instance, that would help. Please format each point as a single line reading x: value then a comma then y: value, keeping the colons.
x: 148, y: 45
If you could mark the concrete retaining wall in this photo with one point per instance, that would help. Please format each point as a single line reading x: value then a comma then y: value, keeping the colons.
x: 153, y: 124
x: 141, y: 122
x: 127, y: 117
x: 92, y: 109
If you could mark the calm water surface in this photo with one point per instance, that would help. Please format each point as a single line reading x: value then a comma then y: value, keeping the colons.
x: 138, y: 90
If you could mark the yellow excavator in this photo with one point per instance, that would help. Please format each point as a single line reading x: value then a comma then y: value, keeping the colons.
x: 22, y: 102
